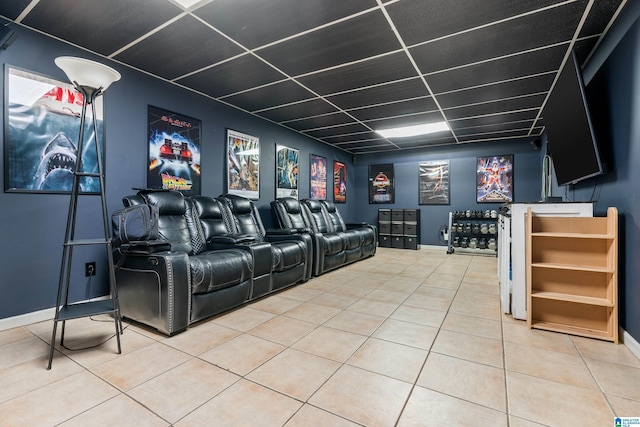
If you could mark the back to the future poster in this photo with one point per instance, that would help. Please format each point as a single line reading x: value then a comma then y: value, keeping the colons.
x: 174, y: 152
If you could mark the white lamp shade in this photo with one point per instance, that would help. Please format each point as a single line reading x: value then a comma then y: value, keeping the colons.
x: 87, y: 73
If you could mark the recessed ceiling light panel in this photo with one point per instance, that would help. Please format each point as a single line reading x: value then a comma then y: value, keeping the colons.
x: 415, y: 130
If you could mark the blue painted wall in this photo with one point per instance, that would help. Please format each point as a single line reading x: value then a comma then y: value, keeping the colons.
x: 462, y: 171
x: 34, y: 224
x: 613, y: 83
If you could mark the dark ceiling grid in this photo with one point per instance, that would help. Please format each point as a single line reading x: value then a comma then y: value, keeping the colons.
x: 335, y: 70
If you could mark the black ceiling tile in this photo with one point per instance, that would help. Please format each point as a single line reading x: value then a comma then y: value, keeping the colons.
x: 399, y: 108
x: 499, y: 91
x: 537, y: 131
x: 233, y: 76
x: 419, y: 21
x: 367, y: 145
x: 599, y: 16
x: 364, y: 136
x: 520, y: 65
x: 255, y: 23
x: 493, y: 119
x: 528, y: 32
x: 583, y: 49
x: 357, y: 38
x: 410, y: 120
x: 494, y: 107
x: 495, y: 135
x: 411, y: 88
x: 13, y: 9
x: 100, y: 26
x: 362, y: 74
x: 313, y: 107
x: 338, y: 130
x: 172, y: 52
x: 320, y: 121
x: 270, y: 96
x: 498, y: 127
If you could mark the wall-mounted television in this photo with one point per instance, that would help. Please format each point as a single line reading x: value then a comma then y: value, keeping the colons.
x: 571, y: 139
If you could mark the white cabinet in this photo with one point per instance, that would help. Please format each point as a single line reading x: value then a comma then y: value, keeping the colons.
x: 514, y: 292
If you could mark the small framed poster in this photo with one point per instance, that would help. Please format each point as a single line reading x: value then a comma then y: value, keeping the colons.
x: 317, y: 177
x: 286, y: 172
x: 339, y: 182
x: 494, y: 179
x: 243, y: 165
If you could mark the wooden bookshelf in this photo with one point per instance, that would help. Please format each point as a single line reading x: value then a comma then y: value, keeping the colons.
x: 572, y: 274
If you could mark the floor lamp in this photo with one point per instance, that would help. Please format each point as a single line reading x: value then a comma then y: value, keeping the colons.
x: 91, y: 79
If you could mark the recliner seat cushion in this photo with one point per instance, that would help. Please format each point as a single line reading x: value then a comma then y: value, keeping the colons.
x: 287, y: 255
x: 333, y: 243
x: 214, y: 270
x: 352, y: 238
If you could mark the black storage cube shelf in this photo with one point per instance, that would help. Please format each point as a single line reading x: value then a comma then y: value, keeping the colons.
x: 399, y: 228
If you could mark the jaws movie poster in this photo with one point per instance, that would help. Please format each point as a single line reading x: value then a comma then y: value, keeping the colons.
x: 41, y: 139
x: 174, y: 152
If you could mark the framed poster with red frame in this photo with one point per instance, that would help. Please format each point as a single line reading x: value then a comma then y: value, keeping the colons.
x: 339, y: 182
x: 174, y: 151
x: 317, y: 177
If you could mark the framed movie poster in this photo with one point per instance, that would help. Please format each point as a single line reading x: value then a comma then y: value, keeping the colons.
x: 286, y: 172
x: 339, y: 182
x: 317, y: 177
x: 433, y: 182
x: 174, y: 151
x: 42, y: 125
x: 381, y: 184
x: 243, y: 165
x: 494, y: 179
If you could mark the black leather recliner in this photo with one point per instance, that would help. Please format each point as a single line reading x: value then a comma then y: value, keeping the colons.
x: 334, y: 243
x: 170, y: 289
x: 291, y: 251
x: 367, y: 232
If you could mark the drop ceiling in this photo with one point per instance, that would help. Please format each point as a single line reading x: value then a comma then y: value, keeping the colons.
x: 338, y: 70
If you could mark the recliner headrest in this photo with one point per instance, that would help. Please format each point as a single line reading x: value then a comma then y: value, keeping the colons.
x: 207, y: 207
x: 239, y: 205
x: 168, y: 202
x: 331, y: 207
x: 314, y: 205
x: 291, y: 204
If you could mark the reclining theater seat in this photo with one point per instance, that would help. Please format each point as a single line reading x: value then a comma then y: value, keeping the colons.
x: 170, y: 289
x: 368, y: 232
x: 290, y: 252
x: 219, y: 233
x: 333, y: 246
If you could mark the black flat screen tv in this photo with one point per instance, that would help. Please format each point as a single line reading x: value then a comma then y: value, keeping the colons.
x: 571, y: 139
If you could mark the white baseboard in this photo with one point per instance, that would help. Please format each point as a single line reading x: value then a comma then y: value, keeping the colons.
x: 27, y: 319
x: 630, y: 342
x: 432, y: 247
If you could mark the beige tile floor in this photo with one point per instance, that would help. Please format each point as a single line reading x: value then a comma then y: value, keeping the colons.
x: 407, y: 338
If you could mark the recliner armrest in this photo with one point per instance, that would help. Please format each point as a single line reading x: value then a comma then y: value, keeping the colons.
x: 232, y: 239
x: 143, y: 247
x: 357, y: 224
x: 287, y: 231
